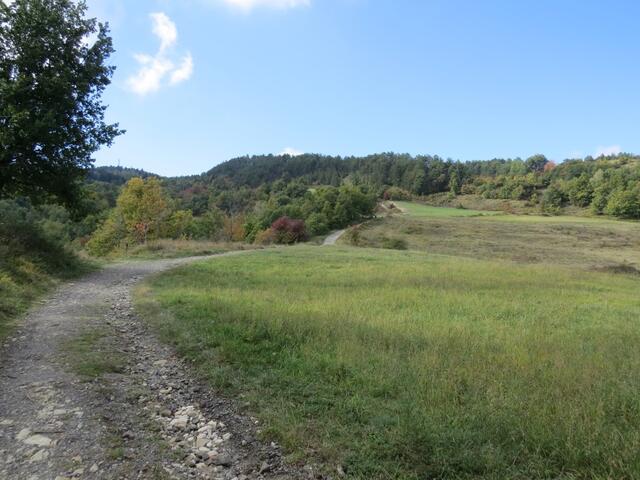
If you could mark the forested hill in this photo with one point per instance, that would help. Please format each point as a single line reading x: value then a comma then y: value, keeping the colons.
x: 604, y: 183
x: 422, y: 174
x: 116, y: 175
x: 608, y: 184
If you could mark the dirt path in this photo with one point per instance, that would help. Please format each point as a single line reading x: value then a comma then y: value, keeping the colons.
x: 143, y: 415
x: 333, y: 238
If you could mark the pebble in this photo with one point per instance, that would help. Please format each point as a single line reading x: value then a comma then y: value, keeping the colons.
x: 38, y: 440
x: 39, y: 456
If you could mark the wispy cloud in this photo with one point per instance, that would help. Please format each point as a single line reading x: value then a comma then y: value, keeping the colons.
x: 183, y: 72
x: 611, y: 150
x: 154, y: 69
x: 248, y: 5
x: 291, y: 151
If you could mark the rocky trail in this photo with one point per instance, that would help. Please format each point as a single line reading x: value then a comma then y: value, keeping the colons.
x: 333, y: 238
x: 143, y: 417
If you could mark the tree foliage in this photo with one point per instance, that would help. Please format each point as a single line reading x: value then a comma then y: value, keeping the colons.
x: 51, y: 82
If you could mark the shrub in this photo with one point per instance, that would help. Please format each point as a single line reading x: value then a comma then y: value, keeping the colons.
x: 265, y: 237
x: 396, y: 193
x: 552, y: 199
x: 288, y: 230
x: 32, y: 256
x: 353, y: 236
x: 624, y: 203
x: 108, y: 236
x: 317, y: 224
x: 180, y: 225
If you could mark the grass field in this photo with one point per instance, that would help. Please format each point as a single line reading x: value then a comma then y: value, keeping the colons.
x: 590, y: 243
x: 405, y: 365
x: 421, y: 210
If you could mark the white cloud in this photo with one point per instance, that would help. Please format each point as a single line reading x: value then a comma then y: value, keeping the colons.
x: 183, y: 72
x: 8, y: 2
x: 149, y: 77
x: 248, y: 5
x: 164, y: 29
x: 291, y: 151
x: 611, y: 150
x: 154, y: 69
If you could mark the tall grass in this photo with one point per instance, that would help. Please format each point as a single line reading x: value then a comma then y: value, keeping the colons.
x: 410, y: 366
x: 168, y: 248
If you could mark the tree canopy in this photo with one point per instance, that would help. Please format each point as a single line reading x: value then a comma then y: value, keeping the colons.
x: 53, y: 72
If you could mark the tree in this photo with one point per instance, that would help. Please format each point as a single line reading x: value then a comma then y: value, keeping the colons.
x: 454, y: 183
x: 552, y: 199
x: 143, y: 207
x: 51, y: 82
x: 624, y: 203
x: 536, y: 163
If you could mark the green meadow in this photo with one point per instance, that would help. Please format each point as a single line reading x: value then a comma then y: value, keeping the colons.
x: 408, y: 365
x: 592, y: 243
x: 421, y: 210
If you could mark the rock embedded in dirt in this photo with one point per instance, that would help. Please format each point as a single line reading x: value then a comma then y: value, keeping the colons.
x: 38, y: 440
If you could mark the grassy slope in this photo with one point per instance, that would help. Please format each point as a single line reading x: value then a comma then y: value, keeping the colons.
x: 407, y: 365
x: 29, y: 268
x: 590, y: 243
x: 166, y: 248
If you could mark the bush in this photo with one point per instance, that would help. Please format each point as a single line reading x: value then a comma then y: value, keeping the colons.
x: 108, y: 236
x: 288, y: 230
x: 317, y: 224
x: 33, y: 255
x: 180, y: 225
x: 396, y: 193
x: 624, y: 203
x: 265, y: 237
x: 552, y: 200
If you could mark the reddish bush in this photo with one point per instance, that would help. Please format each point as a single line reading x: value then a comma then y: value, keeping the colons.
x: 288, y: 230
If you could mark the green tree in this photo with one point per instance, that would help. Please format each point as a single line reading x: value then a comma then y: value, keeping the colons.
x: 536, y: 163
x: 454, y: 183
x: 180, y: 224
x: 143, y: 207
x: 317, y: 224
x: 108, y: 236
x: 51, y: 82
x: 552, y: 199
x: 624, y: 203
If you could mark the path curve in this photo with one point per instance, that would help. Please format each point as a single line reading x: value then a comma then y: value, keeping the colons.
x: 150, y: 419
x: 333, y: 238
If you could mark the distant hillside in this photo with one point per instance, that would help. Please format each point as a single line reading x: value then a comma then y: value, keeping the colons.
x: 116, y: 175
x: 609, y: 185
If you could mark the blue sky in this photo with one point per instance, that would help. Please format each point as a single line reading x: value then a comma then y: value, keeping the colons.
x: 202, y: 81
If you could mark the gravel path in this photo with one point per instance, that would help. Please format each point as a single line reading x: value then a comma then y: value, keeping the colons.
x: 147, y: 419
x: 333, y: 238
